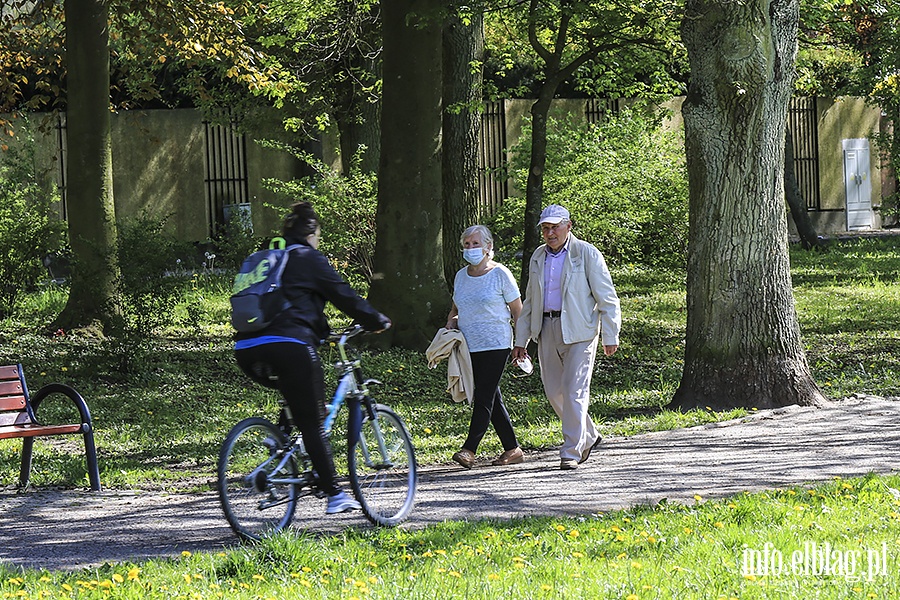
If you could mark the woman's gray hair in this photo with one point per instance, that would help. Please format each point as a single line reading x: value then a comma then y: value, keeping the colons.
x: 486, y: 238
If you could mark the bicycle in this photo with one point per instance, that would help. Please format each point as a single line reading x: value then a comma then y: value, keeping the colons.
x: 262, y: 473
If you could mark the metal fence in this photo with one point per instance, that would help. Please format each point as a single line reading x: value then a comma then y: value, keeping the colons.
x: 493, y: 177
x: 803, y: 123
x: 227, y: 183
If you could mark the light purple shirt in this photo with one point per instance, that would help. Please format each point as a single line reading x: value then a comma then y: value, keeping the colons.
x: 553, y: 268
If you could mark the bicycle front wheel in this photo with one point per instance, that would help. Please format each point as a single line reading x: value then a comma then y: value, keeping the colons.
x: 257, y: 479
x: 382, y: 467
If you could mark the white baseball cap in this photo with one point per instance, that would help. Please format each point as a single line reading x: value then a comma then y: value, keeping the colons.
x: 554, y: 214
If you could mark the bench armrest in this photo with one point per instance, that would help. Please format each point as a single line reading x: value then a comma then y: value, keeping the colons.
x: 61, y: 388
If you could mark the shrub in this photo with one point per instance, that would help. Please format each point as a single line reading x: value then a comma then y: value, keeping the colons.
x: 624, y: 181
x: 346, y: 207
x: 29, y: 227
x: 148, y: 288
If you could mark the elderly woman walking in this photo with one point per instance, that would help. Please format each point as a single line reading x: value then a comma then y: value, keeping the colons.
x: 486, y: 304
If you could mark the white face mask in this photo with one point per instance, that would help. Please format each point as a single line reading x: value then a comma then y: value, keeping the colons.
x: 473, y: 255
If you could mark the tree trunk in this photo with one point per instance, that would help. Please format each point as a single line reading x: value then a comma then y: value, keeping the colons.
x: 409, y: 281
x: 809, y: 239
x: 89, y: 191
x: 463, y: 46
x: 743, y: 346
x: 534, y: 185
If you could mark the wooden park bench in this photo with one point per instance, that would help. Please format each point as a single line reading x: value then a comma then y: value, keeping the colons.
x: 18, y: 420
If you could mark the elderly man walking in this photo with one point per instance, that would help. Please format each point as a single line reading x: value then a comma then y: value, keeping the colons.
x: 569, y: 303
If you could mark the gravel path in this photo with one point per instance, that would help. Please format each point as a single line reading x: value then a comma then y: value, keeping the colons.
x: 72, y: 529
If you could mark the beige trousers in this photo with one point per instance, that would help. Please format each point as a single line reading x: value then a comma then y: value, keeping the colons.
x: 566, y: 371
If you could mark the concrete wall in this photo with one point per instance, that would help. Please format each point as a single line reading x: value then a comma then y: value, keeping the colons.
x: 159, y: 161
x: 159, y: 168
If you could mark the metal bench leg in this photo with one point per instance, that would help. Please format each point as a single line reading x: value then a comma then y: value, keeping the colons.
x: 25, y: 471
x: 90, y: 452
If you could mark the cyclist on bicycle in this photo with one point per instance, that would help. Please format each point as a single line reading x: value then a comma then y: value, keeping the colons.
x: 284, y: 355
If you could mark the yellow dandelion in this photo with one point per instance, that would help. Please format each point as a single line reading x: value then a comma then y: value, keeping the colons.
x: 577, y: 555
x: 441, y: 552
x: 635, y: 565
x: 428, y: 554
x: 67, y: 587
x: 259, y: 578
x: 573, y: 533
x: 454, y: 574
x: 718, y: 524
x: 546, y: 587
x: 118, y: 578
x: 560, y: 528
x: 698, y: 497
x: 186, y: 553
x: 133, y: 574
x: 493, y: 576
x: 187, y: 578
x: 428, y: 430
x: 632, y: 597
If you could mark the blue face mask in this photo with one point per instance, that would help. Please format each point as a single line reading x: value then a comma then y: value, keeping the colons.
x: 473, y: 255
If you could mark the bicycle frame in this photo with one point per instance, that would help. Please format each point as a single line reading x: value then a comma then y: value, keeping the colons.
x: 350, y: 385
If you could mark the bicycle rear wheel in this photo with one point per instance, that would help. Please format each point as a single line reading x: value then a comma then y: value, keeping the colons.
x: 382, y: 468
x: 256, y: 482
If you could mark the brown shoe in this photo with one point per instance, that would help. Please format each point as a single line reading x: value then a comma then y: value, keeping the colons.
x: 510, y: 457
x: 465, y: 457
x: 587, y: 451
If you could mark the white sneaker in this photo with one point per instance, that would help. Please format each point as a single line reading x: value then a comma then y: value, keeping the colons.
x: 341, y: 503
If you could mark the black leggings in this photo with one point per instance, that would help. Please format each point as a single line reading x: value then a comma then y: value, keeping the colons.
x: 301, y: 382
x: 487, y: 401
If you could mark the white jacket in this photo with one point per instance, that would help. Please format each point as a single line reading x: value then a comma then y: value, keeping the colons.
x: 450, y: 344
x: 590, y: 304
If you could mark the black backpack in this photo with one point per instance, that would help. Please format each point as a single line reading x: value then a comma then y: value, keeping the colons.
x: 258, y: 297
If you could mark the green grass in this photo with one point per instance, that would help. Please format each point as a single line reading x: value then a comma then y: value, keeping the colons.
x: 722, y: 548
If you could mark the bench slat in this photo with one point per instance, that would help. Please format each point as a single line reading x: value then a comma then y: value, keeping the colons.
x: 9, y: 372
x: 16, y: 403
x: 17, y: 431
x: 10, y: 388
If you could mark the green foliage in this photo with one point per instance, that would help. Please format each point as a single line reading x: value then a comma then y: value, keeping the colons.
x: 147, y: 288
x: 29, y: 229
x: 346, y: 206
x: 624, y: 182
x: 234, y: 242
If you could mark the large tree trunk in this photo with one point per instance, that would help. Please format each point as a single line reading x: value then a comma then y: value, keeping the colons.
x: 89, y: 191
x: 463, y: 47
x: 409, y: 281
x: 809, y: 239
x: 743, y: 346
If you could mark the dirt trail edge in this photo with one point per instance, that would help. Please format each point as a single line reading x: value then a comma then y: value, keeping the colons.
x: 72, y: 529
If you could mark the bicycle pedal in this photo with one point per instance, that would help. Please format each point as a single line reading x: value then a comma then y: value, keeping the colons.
x: 260, y: 481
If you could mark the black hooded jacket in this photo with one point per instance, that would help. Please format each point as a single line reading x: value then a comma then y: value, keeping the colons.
x: 309, y: 281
